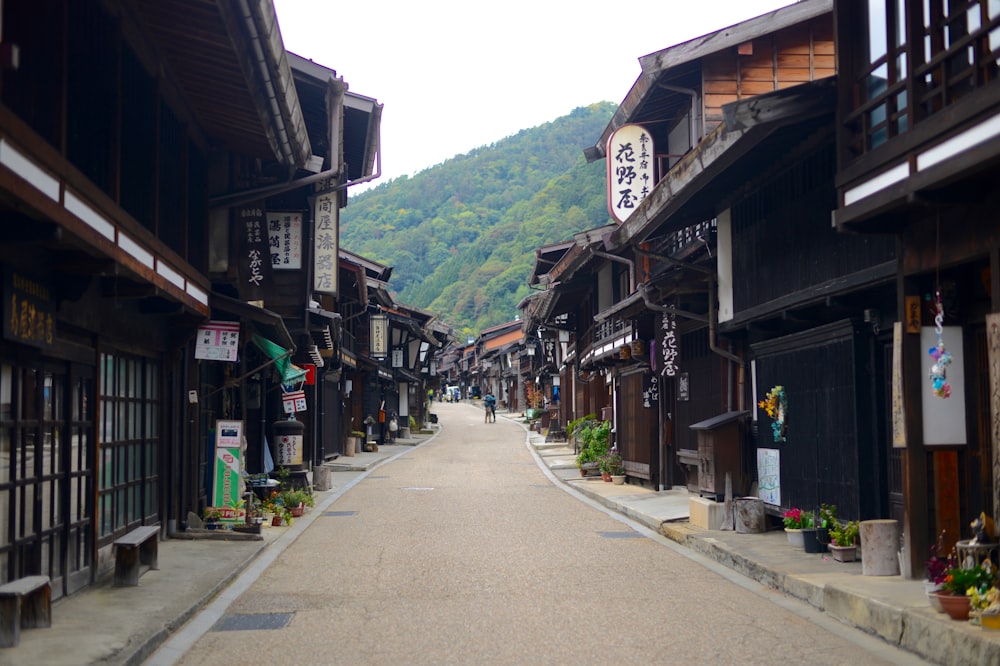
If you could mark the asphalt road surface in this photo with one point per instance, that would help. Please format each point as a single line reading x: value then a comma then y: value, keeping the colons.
x: 463, y: 551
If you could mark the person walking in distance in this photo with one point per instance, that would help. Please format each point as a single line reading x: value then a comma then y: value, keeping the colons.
x: 490, y: 407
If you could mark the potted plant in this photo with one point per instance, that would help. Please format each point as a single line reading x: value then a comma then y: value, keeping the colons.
x: 296, y: 501
x: 610, y: 465
x: 937, y: 566
x: 593, y: 436
x: 212, y: 519
x: 844, y: 541
x: 796, y: 520
x: 985, y: 606
x: 357, y: 440
x: 616, y: 467
x: 958, y: 581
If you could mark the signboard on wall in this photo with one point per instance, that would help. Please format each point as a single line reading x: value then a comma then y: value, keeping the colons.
x: 769, y: 476
x: 630, y: 169
x: 29, y: 310
x: 284, y: 234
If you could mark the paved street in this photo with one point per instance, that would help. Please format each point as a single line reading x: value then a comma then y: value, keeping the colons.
x: 463, y: 551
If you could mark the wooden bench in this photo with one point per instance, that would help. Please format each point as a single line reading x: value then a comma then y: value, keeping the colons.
x: 24, y: 603
x: 135, y: 554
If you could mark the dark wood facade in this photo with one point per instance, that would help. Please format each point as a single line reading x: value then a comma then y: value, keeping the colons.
x: 917, y: 158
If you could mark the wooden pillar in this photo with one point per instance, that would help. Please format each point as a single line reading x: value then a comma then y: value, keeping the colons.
x: 993, y: 368
x: 916, y: 537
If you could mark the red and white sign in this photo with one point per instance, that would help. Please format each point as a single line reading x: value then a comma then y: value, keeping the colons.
x: 294, y: 401
x: 631, y: 162
x: 218, y: 341
x: 310, y: 369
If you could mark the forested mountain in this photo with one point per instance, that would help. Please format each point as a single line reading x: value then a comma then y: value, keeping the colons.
x: 461, y: 235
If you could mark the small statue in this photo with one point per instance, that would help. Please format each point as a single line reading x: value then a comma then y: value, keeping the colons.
x: 982, y: 530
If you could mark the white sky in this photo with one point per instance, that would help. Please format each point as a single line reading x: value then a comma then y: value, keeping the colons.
x: 455, y: 75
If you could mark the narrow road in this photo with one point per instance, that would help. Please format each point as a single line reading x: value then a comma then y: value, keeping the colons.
x: 462, y: 551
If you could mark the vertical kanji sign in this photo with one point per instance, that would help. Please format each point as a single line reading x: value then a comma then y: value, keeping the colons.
x: 631, y: 163
x: 325, y: 243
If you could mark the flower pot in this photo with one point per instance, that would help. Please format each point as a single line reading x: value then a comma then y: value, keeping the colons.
x: 276, y: 521
x: 810, y: 541
x: 932, y: 589
x: 606, y: 476
x: 297, y: 511
x: 843, y: 553
x: 957, y: 606
x: 795, y: 537
x: 618, y: 479
x: 989, y: 621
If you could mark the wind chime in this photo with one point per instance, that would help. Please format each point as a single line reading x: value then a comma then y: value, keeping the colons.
x: 941, y: 356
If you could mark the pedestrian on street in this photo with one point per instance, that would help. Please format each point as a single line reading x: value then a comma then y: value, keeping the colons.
x: 490, y: 405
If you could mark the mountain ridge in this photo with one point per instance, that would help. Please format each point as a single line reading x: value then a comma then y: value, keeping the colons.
x: 461, y: 235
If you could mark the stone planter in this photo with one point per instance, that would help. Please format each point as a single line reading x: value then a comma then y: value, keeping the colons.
x: 843, y: 553
x: 795, y: 537
x: 618, y: 479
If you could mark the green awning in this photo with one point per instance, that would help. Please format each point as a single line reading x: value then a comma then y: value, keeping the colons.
x: 290, y: 373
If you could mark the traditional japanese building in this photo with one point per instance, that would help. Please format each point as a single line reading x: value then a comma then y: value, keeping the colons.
x: 918, y: 148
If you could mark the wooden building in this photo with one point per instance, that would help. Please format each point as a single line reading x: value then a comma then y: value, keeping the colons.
x: 917, y: 157
x: 117, y: 124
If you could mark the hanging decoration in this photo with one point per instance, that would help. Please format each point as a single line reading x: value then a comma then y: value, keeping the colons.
x: 941, y: 356
x: 776, y: 406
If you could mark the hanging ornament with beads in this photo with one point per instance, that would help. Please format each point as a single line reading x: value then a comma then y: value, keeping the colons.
x: 941, y: 356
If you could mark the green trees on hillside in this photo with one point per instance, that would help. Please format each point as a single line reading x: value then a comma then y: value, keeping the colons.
x: 461, y: 236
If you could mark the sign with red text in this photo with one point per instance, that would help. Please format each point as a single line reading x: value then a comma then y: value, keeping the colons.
x: 294, y: 401
x: 218, y: 341
x: 284, y: 236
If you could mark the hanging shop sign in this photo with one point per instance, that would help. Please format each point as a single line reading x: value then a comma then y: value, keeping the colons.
x: 294, y: 401
x: 30, y: 311
x: 284, y: 233
x: 379, y: 336
x: 255, y: 255
x: 667, y: 343
x: 218, y: 341
x: 397, y: 358
x: 226, y: 487
x: 630, y: 169
x: 325, y: 243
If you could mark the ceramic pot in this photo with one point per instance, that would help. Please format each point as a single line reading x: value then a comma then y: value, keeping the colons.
x: 932, y: 589
x: 606, y: 476
x: 276, y: 521
x: 297, y: 511
x: 957, y: 606
x: 794, y: 537
x: 618, y: 479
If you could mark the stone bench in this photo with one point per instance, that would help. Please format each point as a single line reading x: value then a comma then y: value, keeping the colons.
x: 25, y: 603
x: 135, y: 554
